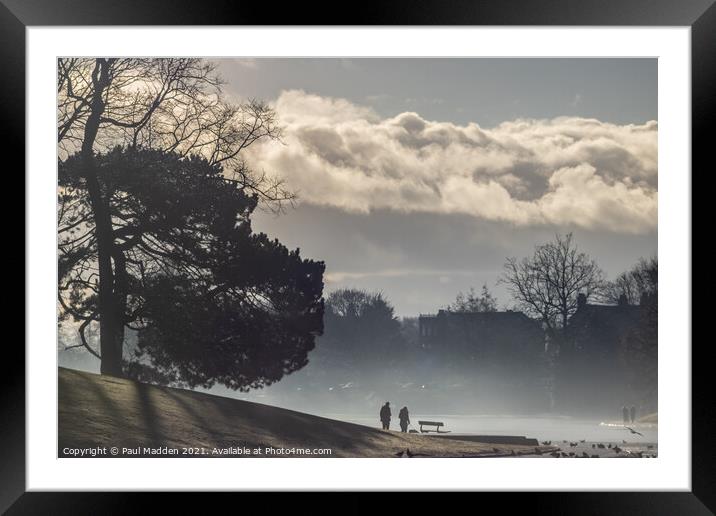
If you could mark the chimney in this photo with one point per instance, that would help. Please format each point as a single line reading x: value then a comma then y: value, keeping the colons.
x: 581, y: 300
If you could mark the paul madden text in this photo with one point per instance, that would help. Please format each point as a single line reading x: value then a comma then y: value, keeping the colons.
x: 193, y: 451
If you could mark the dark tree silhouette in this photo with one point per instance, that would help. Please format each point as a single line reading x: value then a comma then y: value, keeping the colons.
x: 639, y: 347
x: 474, y: 302
x: 173, y: 105
x: 635, y: 284
x: 361, y: 323
x: 546, y: 285
x: 211, y: 301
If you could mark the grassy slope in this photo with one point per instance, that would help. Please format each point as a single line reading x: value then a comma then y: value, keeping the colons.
x: 98, y: 410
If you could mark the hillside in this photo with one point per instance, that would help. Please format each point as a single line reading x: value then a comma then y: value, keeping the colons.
x: 102, y: 411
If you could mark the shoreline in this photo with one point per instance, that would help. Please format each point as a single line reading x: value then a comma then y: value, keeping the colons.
x: 100, y: 414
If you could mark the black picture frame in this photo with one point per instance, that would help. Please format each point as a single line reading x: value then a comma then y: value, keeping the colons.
x: 700, y: 15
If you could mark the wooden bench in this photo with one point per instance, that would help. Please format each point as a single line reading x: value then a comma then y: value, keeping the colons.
x: 436, y: 424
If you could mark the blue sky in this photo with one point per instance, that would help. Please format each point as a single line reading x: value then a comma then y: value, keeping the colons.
x: 486, y: 91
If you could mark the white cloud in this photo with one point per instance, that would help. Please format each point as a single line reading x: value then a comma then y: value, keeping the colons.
x: 444, y: 276
x: 564, y: 171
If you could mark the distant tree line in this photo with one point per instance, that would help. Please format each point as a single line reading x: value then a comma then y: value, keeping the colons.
x: 361, y: 327
x: 474, y: 302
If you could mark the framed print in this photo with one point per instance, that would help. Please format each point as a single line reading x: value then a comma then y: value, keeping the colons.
x: 432, y: 234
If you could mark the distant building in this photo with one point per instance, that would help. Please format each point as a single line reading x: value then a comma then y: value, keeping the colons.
x: 483, y: 335
x: 502, y: 352
x: 597, y: 331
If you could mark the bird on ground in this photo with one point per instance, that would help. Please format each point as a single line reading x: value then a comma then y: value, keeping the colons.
x: 617, y: 449
x: 600, y: 445
x: 634, y: 431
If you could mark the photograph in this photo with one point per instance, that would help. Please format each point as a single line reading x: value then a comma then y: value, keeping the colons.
x: 358, y: 257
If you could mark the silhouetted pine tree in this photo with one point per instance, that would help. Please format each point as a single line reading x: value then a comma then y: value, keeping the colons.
x: 212, y: 301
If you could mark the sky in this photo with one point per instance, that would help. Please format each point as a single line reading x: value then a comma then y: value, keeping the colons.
x: 419, y: 177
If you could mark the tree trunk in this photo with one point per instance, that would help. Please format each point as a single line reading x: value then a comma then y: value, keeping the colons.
x: 111, y: 322
x: 119, y: 295
x: 110, y: 318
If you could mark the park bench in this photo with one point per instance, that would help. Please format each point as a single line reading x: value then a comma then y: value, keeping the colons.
x: 436, y: 424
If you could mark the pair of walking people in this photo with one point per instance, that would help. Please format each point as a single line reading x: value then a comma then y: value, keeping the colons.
x: 403, y: 416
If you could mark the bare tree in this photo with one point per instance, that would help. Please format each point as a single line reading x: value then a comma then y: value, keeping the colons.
x: 474, y: 302
x: 639, y: 281
x: 173, y: 105
x: 547, y: 284
x: 165, y: 104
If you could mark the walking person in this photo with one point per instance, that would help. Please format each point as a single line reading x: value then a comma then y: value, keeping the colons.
x: 404, y: 419
x: 385, y: 415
